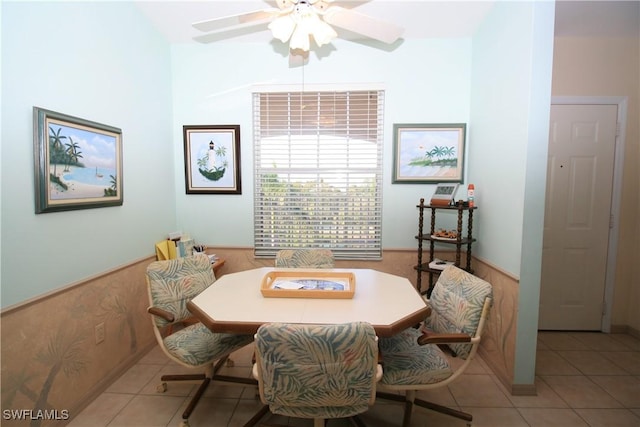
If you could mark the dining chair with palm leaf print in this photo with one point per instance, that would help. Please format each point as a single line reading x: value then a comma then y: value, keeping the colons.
x: 171, y: 284
x: 316, y: 372
x: 419, y: 358
x: 304, y: 258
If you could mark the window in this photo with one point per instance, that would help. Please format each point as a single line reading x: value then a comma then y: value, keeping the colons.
x: 318, y: 172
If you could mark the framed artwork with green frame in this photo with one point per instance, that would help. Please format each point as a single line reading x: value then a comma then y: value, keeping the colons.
x: 78, y: 163
x: 428, y: 153
x: 212, y: 159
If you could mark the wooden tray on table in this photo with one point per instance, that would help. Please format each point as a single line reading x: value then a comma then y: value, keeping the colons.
x: 296, y: 283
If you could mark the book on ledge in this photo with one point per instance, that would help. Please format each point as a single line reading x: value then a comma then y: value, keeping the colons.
x: 438, y: 264
x: 166, y: 250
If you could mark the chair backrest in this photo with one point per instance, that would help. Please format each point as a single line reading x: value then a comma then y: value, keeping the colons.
x: 172, y: 283
x: 317, y: 371
x: 300, y: 258
x: 457, y: 302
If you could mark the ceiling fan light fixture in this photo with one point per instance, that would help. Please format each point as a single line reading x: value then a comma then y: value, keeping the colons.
x: 297, y: 21
x: 300, y: 38
x: 282, y: 28
x: 301, y: 24
x: 322, y: 32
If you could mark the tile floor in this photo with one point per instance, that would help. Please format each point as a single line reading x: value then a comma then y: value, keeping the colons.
x: 583, y: 379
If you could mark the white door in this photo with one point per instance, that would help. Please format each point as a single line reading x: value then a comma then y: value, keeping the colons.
x: 577, y: 216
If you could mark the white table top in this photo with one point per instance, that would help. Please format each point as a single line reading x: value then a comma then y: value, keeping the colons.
x: 235, y: 304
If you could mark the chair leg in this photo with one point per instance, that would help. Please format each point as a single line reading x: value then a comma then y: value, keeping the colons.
x: 206, y: 378
x: 390, y: 396
x: 162, y: 387
x: 216, y: 377
x: 355, y: 420
x: 444, y: 410
x: 186, y: 377
x: 257, y: 417
x: 408, y: 399
x: 219, y: 364
x: 318, y: 422
x: 408, y: 410
x: 196, y: 398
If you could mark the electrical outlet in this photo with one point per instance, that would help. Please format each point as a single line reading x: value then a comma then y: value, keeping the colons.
x: 99, y: 330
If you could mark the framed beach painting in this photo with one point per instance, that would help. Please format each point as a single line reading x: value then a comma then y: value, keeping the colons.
x: 78, y: 163
x: 428, y: 153
x: 212, y: 159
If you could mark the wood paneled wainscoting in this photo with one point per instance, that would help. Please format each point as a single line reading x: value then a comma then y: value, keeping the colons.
x: 61, y: 350
x: 56, y: 362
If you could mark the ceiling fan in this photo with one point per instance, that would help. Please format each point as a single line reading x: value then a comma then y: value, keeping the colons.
x: 297, y: 21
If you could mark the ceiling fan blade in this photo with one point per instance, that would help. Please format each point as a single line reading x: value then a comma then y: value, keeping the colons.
x: 320, y: 5
x: 363, y: 24
x: 286, y: 4
x: 224, y: 23
x: 230, y: 33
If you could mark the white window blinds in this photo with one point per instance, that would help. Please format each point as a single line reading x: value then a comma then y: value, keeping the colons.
x: 318, y: 172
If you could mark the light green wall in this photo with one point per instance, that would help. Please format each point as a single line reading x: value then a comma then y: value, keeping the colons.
x: 425, y: 81
x: 499, y: 82
x: 101, y: 62
x: 511, y: 94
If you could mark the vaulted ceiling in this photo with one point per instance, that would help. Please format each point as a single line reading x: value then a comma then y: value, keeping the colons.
x: 421, y: 19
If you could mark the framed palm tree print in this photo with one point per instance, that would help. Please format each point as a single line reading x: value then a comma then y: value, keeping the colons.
x: 428, y: 153
x: 212, y: 159
x: 78, y: 163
